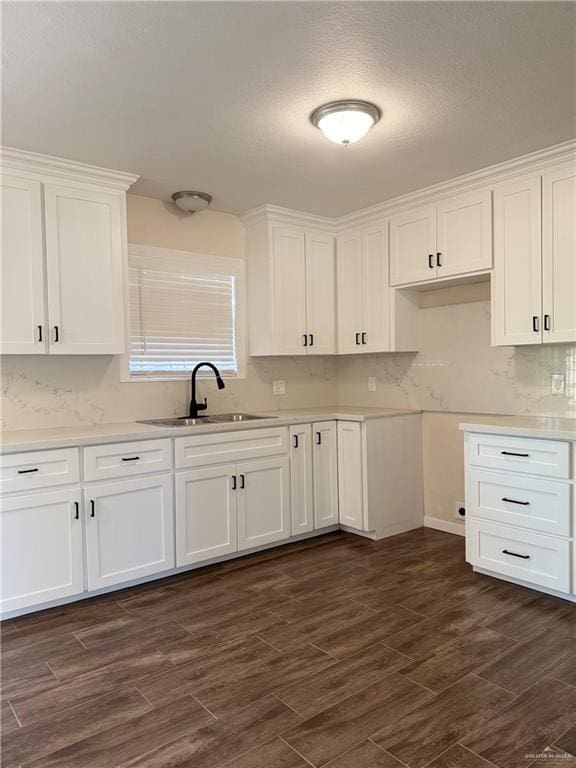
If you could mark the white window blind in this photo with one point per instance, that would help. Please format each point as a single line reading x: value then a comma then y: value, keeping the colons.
x: 182, y: 311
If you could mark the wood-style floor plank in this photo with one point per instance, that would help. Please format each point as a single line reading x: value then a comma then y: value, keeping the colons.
x: 460, y: 757
x: 365, y: 755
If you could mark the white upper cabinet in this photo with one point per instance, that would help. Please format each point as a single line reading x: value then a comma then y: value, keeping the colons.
x: 63, y: 256
x: 291, y: 290
x: 559, y: 254
x: 451, y: 238
x: 22, y: 326
x: 84, y: 270
x: 350, y: 292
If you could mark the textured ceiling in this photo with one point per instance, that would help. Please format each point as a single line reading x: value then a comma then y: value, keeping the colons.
x: 216, y: 96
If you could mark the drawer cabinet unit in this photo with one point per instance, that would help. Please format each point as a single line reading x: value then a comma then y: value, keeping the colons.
x: 129, y: 530
x: 42, y: 551
x: 21, y: 472
x: 550, y: 458
x: 106, y: 462
x: 223, y: 447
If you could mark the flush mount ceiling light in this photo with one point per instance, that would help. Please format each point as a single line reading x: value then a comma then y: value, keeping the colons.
x: 345, y: 122
x: 191, y: 202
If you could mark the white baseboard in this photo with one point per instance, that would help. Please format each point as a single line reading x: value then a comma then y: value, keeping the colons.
x: 444, y: 525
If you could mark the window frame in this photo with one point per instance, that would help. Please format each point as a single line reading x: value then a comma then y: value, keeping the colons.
x: 194, y: 262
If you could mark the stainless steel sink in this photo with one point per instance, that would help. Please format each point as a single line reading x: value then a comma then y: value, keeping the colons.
x: 222, y: 418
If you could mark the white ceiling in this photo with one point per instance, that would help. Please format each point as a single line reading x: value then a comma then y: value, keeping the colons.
x: 216, y: 96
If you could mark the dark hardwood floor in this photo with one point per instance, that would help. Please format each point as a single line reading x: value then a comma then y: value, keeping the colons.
x: 336, y: 651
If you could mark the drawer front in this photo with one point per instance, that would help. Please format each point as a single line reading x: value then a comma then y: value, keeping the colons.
x: 38, y: 469
x: 201, y: 450
x: 519, y: 454
x: 531, y: 557
x: 105, y: 462
x: 528, y: 502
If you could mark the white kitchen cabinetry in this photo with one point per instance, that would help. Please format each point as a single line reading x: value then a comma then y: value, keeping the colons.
x: 350, y: 475
x: 63, y: 256
x: 449, y: 239
x: 534, y: 280
x: 291, y: 289
x: 301, y: 479
x: 42, y: 554
x: 325, y: 461
x: 263, y: 502
x: 372, y: 317
x: 129, y: 530
x: 22, y: 288
x: 206, y: 524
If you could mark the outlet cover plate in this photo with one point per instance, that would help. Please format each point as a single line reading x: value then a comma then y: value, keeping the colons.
x: 279, y: 387
x: 558, y: 384
x: 371, y: 383
x: 460, y: 510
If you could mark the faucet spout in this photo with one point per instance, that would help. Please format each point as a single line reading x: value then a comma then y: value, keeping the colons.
x: 195, y: 407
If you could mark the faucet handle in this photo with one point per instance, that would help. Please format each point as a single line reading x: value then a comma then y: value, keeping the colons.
x: 202, y: 406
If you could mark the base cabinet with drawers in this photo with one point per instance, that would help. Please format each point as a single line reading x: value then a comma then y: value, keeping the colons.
x: 520, y: 509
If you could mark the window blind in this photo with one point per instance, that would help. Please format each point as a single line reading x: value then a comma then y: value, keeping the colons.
x: 178, y: 319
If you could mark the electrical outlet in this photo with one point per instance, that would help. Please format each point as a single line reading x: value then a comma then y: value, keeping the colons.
x: 371, y: 383
x: 459, y: 510
x: 558, y: 384
x: 279, y: 387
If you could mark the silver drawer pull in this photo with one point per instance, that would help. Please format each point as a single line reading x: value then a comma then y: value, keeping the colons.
x: 511, y: 453
x: 27, y: 471
x: 513, y: 501
x: 515, y: 554
x: 131, y: 458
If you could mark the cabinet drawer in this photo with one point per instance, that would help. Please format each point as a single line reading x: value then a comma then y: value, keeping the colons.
x: 104, y: 462
x: 529, y: 502
x: 519, y: 454
x: 201, y: 450
x: 38, y: 469
x: 531, y: 557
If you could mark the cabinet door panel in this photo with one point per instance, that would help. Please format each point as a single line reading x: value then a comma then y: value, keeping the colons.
x: 412, y: 240
x: 22, y: 269
x: 129, y: 530
x: 321, y: 293
x: 290, y: 291
x: 205, y: 514
x: 350, y: 284
x: 84, y: 250
x: 42, y: 556
x: 350, y: 474
x: 559, y: 254
x: 325, y: 474
x: 302, y: 498
x: 464, y: 234
x: 376, y: 292
x: 517, y: 277
x: 263, y: 502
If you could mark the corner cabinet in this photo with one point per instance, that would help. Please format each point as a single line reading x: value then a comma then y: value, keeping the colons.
x: 534, y: 280
x: 63, y: 256
x: 291, y: 289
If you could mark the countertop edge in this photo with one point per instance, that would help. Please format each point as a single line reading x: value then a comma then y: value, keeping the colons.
x: 517, y: 430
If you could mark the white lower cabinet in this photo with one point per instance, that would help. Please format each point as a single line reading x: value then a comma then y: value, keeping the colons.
x: 263, y: 501
x: 350, y: 475
x: 301, y: 479
x: 206, y: 513
x: 129, y: 530
x: 42, y: 553
x: 325, y: 455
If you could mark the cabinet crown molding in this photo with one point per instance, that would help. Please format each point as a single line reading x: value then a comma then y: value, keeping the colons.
x: 20, y: 160
x: 534, y: 162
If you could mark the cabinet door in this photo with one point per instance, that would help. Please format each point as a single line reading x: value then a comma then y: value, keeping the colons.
x: 205, y: 514
x: 41, y: 549
x: 464, y: 237
x: 517, y: 276
x: 263, y: 502
x: 350, y: 474
x: 375, y: 291
x: 325, y: 474
x: 129, y: 530
x: 320, y: 293
x: 301, y: 497
x: 350, y: 300
x: 412, y: 243
x: 22, y: 321
x: 84, y: 256
x: 289, y: 279
x: 559, y: 255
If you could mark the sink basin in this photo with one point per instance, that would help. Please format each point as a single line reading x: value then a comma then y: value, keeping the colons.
x: 223, y: 418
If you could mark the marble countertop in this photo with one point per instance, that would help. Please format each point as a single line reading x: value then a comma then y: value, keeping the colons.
x: 527, y: 426
x: 94, y: 434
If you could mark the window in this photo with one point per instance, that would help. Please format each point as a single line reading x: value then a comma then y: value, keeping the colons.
x: 184, y: 308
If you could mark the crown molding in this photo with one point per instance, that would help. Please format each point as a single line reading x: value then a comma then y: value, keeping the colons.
x: 12, y: 159
x: 535, y: 162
